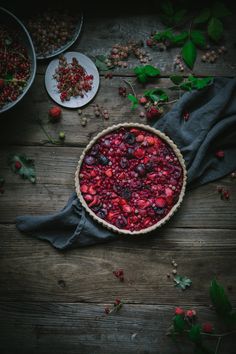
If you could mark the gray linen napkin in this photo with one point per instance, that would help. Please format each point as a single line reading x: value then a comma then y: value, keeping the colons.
x: 211, y: 126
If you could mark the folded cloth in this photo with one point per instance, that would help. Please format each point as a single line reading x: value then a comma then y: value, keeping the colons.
x: 211, y: 127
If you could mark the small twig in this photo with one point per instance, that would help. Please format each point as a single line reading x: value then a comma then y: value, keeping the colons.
x: 131, y: 86
x: 217, y: 335
x: 218, y: 345
x: 169, y: 102
x: 50, y: 139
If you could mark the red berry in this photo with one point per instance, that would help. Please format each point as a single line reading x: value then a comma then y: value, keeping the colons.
x: 117, y: 302
x: 153, y: 112
x: 220, y: 154
x: 143, y: 100
x: 55, y: 112
x: 207, y: 327
x: 18, y: 165
x: 179, y: 311
x: 149, y: 42
x: 160, y: 202
x: 186, y: 115
x: 191, y: 313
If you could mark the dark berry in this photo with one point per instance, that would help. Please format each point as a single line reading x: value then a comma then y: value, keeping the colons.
x: 129, y: 138
x: 124, y: 163
x: 89, y: 160
x: 95, y: 150
x: 121, y: 222
x: 149, y: 166
x: 102, y: 213
x: 130, y: 153
x: 140, y: 169
x: 125, y: 193
x: 158, y: 211
x: 103, y: 160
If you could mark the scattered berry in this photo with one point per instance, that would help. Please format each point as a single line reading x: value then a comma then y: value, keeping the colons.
x: 119, y: 273
x: 62, y: 136
x: 191, y: 313
x: 18, y: 165
x: 179, y: 311
x: 220, y: 154
x: 107, y: 310
x: 186, y: 116
x: 55, y: 113
x: 207, y: 327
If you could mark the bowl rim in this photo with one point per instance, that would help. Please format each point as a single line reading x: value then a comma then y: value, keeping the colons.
x: 34, y: 62
x: 172, y: 210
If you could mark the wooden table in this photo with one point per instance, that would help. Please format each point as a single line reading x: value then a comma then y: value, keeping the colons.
x: 53, y: 302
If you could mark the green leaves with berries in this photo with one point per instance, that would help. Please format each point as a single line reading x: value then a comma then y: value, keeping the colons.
x: 23, y: 166
x: 170, y: 14
x: 146, y: 72
x: 134, y: 101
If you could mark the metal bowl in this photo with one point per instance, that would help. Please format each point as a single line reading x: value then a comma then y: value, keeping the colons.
x: 6, y: 17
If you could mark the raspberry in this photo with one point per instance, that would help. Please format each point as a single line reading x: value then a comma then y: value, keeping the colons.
x: 153, y: 112
x: 191, y: 313
x: 207, y: 327
x: 143, y: 100
x: 179, y: 311
x: 55, y: 112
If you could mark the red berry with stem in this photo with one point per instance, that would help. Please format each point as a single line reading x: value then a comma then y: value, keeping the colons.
x: 186, y: 116
x: 143, y: 100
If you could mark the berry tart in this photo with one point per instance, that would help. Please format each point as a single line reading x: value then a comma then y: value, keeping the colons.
x: 131, y: 178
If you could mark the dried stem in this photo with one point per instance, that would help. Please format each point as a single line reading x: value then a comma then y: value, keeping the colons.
x: 131, y: 86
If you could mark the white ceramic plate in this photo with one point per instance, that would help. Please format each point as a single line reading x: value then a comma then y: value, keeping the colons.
x: 51, y: 83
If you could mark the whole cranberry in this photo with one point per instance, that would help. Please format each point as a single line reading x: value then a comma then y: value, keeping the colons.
x: 55, y: 113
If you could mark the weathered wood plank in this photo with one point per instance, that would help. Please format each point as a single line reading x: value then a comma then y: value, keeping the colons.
x: 107, y: 31
x: 55, y: 170
x: 80, y: 328
x: 20, y: 126
x: 32, y: 269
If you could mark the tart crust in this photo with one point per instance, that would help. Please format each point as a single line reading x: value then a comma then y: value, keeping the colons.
x: 166, y: 139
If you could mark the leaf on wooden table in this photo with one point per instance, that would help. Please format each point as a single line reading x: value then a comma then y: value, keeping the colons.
x: 195, y: 333
x: 215, y: 29
x: 156, y: 95
x: 182, y: 282
x: 179, y: 323
x: 23, y: 166
x: 189, y: 53
x: 134, y: 101
x: 176, y: 79
x: 219, y: 299
x: 100, y: 63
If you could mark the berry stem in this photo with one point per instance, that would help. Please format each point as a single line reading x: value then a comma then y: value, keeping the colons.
x: 169, y: 102
x: 50, y: 139
x: 131, y: 86
x: 218, y: 345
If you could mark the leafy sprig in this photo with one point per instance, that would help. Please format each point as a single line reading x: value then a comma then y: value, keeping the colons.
x: 190, y: 83
x: 23, y: 166
x: 146, y: 72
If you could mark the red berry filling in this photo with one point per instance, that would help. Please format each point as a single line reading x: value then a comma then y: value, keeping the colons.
x: 131, y: 178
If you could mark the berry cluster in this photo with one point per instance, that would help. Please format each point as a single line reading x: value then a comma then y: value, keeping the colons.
x: 131, y: 178
x: 73, y: 81
x: 160, y: 45
x: 119, y: 54
x: 14, y: 65
x: 51, y: 30
x: 212, y: 55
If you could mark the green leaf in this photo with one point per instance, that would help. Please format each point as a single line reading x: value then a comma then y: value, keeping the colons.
x: 156, y: 95
x: 201, y: 83
x: 179, y: 38
x: 167, y: 8
x: 189, y: 53
x: 219, y: 299
x: 179, y: 16
x: 179, y: 324
x: 151, y: 71
x: 143, y: 73
x: 176, y: 79
x: 182, y: 282
x: 220, y: 10
x: 215, y: 29
x: 198, y: 38
x: 161, y: 36
x: 203, y: 17
x: 27, y: 169
x: 134, y: 101
x: 8, y: 77
x: 100, y: 63
x: 195, y: 333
